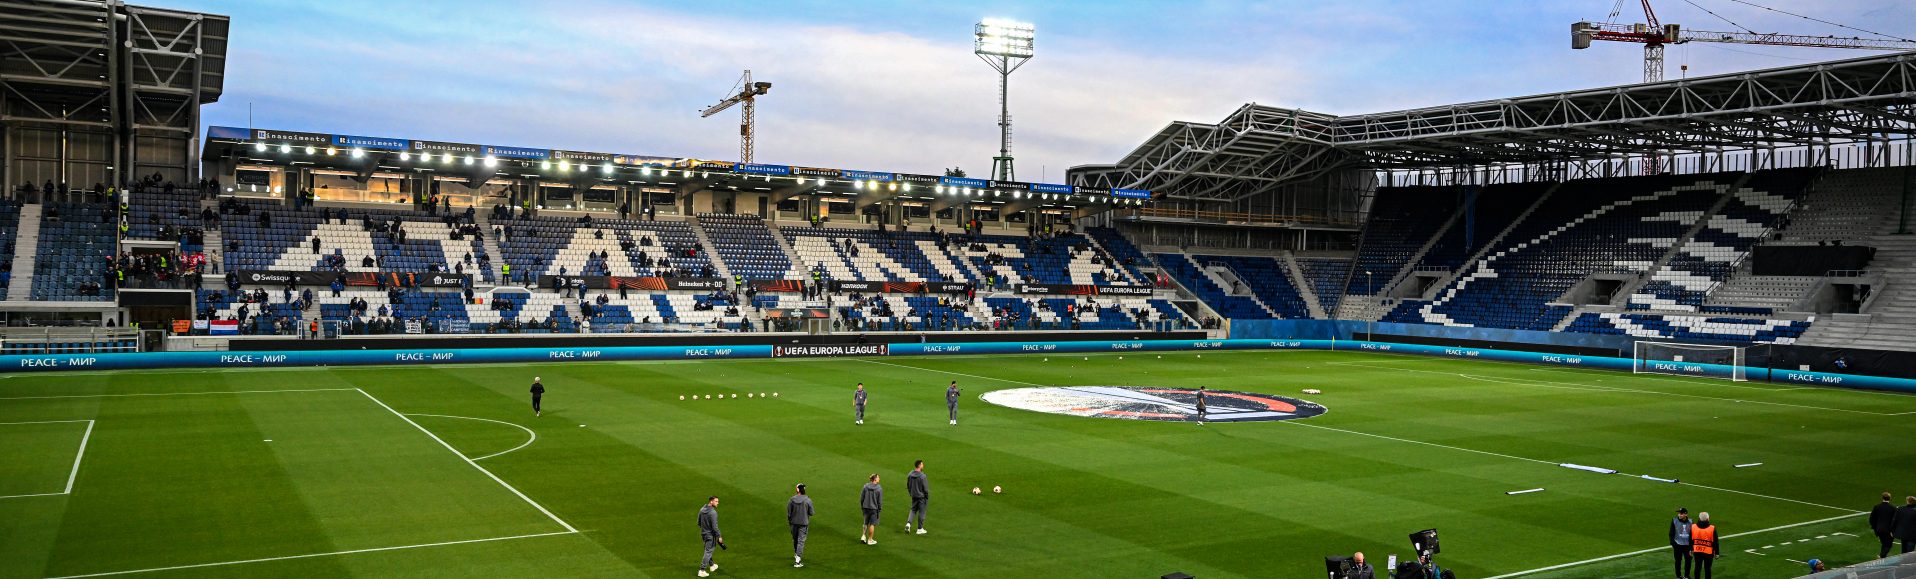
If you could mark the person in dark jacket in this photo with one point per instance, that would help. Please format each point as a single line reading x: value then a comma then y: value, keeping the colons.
x: 538, y: 391
x: 798, y: 514
x: 1905, y: 525
x: 920, y: 491
x: 871, y: 500
x: 1680, y: 542
x: 709, y: 531
x: 1882, y: 521
x: 1360, y: 569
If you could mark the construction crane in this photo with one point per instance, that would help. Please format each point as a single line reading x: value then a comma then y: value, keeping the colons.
x: 747, y: 93
x: 1654, y: 36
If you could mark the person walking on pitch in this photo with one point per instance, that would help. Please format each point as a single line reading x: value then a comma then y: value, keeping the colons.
x: 1200, y: 405
x: 951, y: 401
x: 870, y: 500
x: 858, y: 404
x: 538, y: 391
x: 920, y: 491
x: 798, y: 514
x: 709, y: 531
x: 1882, y: 521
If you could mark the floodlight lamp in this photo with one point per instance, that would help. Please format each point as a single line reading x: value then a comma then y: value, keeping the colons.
x: 358, y: 153
x: 331, y: 151
x: 941, y: 189
x: 565, y: 165
x: 285, y: 148
x: 492, y: 161
x: 907, y: 187
x: 405, y: 156
x: 310, y: 150
x: 606, y: 168
x: 260, y: 146
x: 647, y: 171
x: 469, y: 159
x: 894, y: 186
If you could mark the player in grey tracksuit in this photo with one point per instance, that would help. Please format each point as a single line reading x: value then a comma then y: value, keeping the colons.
x: 871, y: 499
x: 858, y: 404
x: 798, y: 513
x: 709, y: 531
x: 920, y: 491
x: 951, y: 401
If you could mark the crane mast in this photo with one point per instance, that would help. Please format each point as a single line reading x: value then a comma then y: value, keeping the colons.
x: 1655, y: 35
x: 746, y: 98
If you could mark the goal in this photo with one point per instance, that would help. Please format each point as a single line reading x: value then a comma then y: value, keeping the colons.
x: 1703, y: 360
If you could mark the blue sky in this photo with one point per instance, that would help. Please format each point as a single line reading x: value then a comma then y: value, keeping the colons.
x: 893, y: 86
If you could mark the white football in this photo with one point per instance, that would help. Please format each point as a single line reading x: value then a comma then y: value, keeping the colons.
x: 708, y: 396
x: 735, y: 396
x: 774, y: 394
x: 977, y: 491
x: 681, y: 397
x: 997, y: 489
x: 748, y: 394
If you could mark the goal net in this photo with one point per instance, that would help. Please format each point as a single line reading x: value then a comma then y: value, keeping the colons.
x: 1701, y: 360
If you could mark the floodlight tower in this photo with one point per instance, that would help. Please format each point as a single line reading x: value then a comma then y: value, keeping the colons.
x: 1005, y: 45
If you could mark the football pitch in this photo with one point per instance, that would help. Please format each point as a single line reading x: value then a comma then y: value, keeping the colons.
x: 444, y: 470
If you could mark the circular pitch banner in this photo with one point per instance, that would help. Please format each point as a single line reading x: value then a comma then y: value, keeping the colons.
x: 1154, y: 403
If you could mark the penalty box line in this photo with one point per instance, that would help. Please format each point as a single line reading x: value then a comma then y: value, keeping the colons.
x: 462, y: 456
x: 72, y: 475
x: 314, y: 555
x: 1666, y: 548
x: 1402, y: 440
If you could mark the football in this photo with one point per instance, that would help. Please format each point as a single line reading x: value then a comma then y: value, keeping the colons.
x: 997, y: 489
x: 976, y: 491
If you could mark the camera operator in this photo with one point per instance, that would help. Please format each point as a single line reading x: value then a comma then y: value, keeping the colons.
x: 1359, y: 569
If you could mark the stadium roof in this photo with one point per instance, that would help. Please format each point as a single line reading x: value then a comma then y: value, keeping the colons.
x: 1259, y: 148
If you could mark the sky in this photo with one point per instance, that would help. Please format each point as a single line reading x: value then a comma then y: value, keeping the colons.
x: 893, y: 86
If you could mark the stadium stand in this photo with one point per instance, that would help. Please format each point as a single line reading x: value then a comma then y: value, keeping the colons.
x: 871, y: 255
x: 9, y: 234
x: 76, y: 240
x: 1327, y: 277
x: 550, y: 245
x: 1182, y: 268
x: 747, y: 247
x: 1264, y: 278
x: 1694, y: 328
x: 1402, y: 220
x: 1621, y: 225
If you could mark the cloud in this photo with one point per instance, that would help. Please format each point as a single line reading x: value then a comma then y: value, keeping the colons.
x: 858, y: 93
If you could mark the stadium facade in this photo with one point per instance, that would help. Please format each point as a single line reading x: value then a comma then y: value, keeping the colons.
x: 1765, y: 211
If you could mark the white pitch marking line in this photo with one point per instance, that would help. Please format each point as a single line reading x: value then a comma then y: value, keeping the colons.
x: 75, y: 474
x: 1404, y: 440
x: 1536, y: 490
x: 534, y: 435
x: 1667, y: 548
x: 1595, y: 388
x: 312, y: 555
x: 462, y: 456
x: 1747, y: 465
x: 77, y: 456
x: 177, y: 393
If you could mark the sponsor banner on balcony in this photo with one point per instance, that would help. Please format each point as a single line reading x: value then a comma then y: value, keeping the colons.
x: 359, y: 142
x: 778, y: 285
x: 637, y: 283
x: 1083, y: 290
x: 398, y: 279
x: 898, y: 287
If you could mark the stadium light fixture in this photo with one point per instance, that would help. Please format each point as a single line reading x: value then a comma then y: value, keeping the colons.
x: 606, y: 168
x: 1005, y: 45
x: 285, y: 148
x: 545, y: 165
x: 332, y: 151
x: 646, y: 171
x: 565, y: 165
x: 405, y: 156
x: 492, y: 161
x: 310, y: 150
x: 259, y: 146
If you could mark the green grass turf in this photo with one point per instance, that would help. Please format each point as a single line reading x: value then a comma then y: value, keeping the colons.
x: 173, y: 479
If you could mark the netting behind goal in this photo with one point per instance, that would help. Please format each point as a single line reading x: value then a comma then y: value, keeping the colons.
x: 1688, y: 360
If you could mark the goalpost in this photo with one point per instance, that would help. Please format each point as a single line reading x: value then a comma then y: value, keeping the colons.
x: 1703, y: 360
